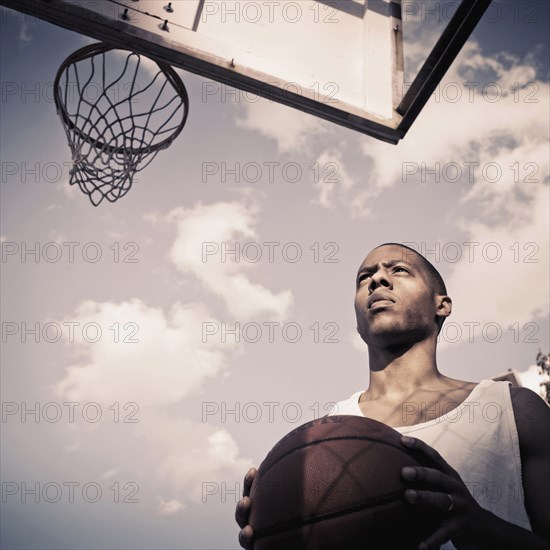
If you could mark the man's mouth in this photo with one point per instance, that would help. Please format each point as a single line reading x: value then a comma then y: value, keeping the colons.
x: 382, y: 299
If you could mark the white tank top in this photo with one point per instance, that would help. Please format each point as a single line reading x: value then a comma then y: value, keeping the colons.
x: 479, y: 439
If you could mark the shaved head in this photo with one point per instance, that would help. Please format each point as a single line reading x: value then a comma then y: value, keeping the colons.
x: 436, y: 280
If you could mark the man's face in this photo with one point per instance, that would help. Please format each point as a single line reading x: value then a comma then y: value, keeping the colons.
x: 394, y: 301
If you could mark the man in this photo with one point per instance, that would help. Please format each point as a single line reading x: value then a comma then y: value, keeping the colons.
x: 503, y: 452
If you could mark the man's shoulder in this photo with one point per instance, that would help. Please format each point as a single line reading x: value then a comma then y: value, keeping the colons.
x: 532, y: 416
x: 527, y: 401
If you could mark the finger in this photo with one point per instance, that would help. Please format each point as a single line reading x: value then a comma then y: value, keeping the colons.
x: 242, y: 511
x: 422, y: 448
x: 428, y: 499
x: 248, y: 479
x: 429, y: 478
x: 436, y: 539
x: 245, y: 537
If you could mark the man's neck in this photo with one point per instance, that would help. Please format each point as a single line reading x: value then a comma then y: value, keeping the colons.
x: 400, y: 371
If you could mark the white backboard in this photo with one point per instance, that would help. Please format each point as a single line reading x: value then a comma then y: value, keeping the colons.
x: 341, y: 60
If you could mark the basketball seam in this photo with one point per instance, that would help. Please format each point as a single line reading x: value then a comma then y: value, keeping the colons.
x: 288, y: 525
x: 318, y: 442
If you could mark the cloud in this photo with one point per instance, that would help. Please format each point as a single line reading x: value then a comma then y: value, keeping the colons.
x: 532, y: 378
x: 203, y: 233
x: 333, y: 179
x: 57, y: 237
x: 24, y: 33
x: 293, y: 130
x: 484, y: 105
x: 193, y: 454
x: 141, y: 354
x: 167, y: 362
x: 475, y: 112
x: 504, y: 284
x: 136, y: 353
x: 169, y: 507
x: 109, y: 473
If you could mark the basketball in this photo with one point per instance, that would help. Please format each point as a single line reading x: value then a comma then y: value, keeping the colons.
x: 335, y: 483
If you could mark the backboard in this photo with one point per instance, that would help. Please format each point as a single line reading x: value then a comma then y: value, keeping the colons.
x: 341, y: 60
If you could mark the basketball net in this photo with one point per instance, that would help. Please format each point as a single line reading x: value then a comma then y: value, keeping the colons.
x: 117, y: 115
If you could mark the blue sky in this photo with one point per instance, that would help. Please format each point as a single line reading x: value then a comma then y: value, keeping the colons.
x: 468, y: 186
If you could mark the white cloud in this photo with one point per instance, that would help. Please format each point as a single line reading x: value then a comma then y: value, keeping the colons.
x: 152, y: 217
x: 169, y: 362
x: 57, y: 237
x: 191, y: 454
x: 215, y: 228
x: 512, y: 289
x: 115, y: 235
x: 532, y: 379
x: 293, y: 130
x: 109, y: 473
x: 69, y: 193
x: 143, y: 355
x: 24, y: 33
x: 333, y: 179
x: 463, y: 123
x: 170, y: 507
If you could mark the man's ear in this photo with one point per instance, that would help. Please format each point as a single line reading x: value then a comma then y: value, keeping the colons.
x: 444, y: 305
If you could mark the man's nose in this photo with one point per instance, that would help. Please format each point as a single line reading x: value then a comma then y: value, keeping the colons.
x: 380, y: 278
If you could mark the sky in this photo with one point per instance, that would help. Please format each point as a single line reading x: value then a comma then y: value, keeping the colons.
x: 155, y: 348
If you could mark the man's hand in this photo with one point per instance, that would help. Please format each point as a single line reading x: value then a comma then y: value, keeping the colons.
x: 441, y: 488
x: 242, y: 512
x: 468, y: 525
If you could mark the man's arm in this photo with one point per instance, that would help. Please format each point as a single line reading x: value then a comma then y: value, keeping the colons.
x: 532, y: 416
x: 468, y: 525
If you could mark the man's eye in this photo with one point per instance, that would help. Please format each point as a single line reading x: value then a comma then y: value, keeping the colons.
x: 399, y: 268
x: 363, y: 277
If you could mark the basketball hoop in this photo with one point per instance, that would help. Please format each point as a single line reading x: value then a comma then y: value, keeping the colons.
x: 116, y: 115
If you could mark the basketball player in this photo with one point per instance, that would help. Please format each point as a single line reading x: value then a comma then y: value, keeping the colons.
x: 491, y: 442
